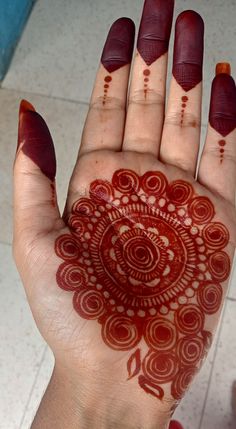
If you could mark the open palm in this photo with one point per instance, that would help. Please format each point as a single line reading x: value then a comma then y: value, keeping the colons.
x: 127, y: 286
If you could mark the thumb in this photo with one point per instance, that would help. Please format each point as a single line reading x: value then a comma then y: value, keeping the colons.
x: 35, y: 204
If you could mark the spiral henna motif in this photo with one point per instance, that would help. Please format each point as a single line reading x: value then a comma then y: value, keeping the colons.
x: 145, y: 259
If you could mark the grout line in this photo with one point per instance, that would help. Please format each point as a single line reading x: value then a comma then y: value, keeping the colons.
x: 213, y: 365
x: 229, y: 298
x: 33, y: 386
x: 5, y: 243
x: 53, y: 97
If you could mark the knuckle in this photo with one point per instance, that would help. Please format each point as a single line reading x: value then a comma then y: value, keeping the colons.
x: 190, y: 120
x: 112, y: 103
x: 154, y: 97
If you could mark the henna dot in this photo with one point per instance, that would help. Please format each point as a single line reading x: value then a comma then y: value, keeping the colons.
x: 90, y: 270
x: 202, y: 257
x: 194, y: 230
x: 112, y: 301
x: 200, y: 277
x: 108, y: 79
x: 195, y: 284
x: 130, y: 312
x: 174, y: 305
x: 143, y: 198
x: 87, y: 235
x: 101, y: 208
x: 152, y: 199
x: 106, y: 294
x: 120, y: 308
x: 85, y: 254
x: 87, y: 262
x: 202, y: 267
x: 134, y: 197
x: 93, y: 279
x: 108, y: 206
x: 152, y: 311
x: 98, y: 286
x: 85, y: 245
x: 184, y: 105
x: 181, y: 212
x: 188, y: 221
x: 94, y: 219
x: 146, y: 72
x: 202, y: 249
x: 116, y: 202
x: 221, y: 150
x: 125, y: 199
x: 146, y: 79
x: 163, y: 309
x: 106, y: 85
x: 105, y: 90
x: 97, y: 213
x: 189, y: 292
x: 162, y: 202
x: 199, y: 240
x: 171, y: 208
x: 90, y: 226
x: 182, y: 299
x: 222, y: 142
x: 141, y: 313
x: 184, y: 98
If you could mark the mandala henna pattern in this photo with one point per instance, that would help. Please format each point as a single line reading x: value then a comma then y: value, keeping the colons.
x: 146, y: 259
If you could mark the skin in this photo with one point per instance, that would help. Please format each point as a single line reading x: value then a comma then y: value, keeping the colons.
x: 89, y: 385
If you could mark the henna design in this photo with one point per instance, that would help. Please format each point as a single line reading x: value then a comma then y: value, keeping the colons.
x: 107, y: 80
x: 118, y: 48
x: 146, y: 259
x: 188, y: 50
x: 183, y: 107
x: 154, y: 30
x: 222, y: 116
x: 146, y: 73
x: 35, y: 140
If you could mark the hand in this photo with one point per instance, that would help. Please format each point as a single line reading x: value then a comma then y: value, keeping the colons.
x: 127, y: 286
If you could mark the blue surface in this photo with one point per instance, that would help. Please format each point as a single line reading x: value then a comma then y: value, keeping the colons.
x: 13, y: 15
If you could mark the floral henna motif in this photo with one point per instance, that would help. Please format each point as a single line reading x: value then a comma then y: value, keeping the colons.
x: 145, y: 259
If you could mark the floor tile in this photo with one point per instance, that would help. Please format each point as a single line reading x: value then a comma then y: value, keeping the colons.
x: 21, y: 344
x: 218, y: 413
x: 65, y: 120
x: 40, y: 385
x: 59, y: 51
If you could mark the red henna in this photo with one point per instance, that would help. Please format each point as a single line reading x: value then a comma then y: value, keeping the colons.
x: 154, y: 30
x: 36, y: 140
x: 182, y: 381
x: 118, y: 49
x: 188, y: 50
x: 150, y: 387
x: 175, y: 425
x: 144, y: 261
x: 134, y: 364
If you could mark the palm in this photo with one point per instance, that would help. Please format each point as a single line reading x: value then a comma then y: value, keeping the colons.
x: 124, y: 279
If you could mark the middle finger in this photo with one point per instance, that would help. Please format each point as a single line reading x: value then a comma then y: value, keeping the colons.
x: 146, y: 101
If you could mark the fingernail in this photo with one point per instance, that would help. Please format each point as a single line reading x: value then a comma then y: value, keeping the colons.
x: 222, y: 116
x: 223, y: 68
x: 155, y: 29
x: 118, y: 48
x: 188, y: 49
x: 35, y: 139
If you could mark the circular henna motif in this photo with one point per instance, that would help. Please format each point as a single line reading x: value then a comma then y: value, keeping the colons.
x: 210, y: 297
x: 189, y: 319
x: 126, y: 181
x: 219, y: 266
x: 89, y: 304
x: 190, y: 350
x: 160, y: 367
x: 215, y: 235
x: 160, y: 334
x: 182, y: 381
x: 146, y: 259
x: 201, y: 210
x: 153, y: 183
x: 180, y: 192
x: 120, y: 332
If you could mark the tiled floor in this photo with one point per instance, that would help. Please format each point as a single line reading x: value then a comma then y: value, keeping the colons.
x: 54, y: 66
